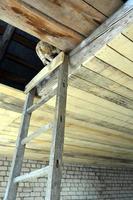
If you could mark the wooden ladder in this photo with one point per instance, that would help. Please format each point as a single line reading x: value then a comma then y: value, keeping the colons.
x: 54, y: 169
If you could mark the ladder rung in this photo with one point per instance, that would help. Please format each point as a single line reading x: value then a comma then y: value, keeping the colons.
x: 37, y: 133
x: 43, y: 100
x: 34, y: 174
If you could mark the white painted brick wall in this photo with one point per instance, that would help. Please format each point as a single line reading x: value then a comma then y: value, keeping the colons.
x: 78, y: 182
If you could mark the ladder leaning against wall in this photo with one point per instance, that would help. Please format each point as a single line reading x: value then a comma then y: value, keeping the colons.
x: 54, y: 169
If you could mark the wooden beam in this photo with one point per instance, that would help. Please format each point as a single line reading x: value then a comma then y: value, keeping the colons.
x: 86, y: 160
x: 71, y: 13
x: 29, y: 19
x: 58, y: 23
x: 6, y: 40
x: 107, y: 7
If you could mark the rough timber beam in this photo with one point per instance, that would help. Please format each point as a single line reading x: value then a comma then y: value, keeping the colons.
x: 23, y: 16
x: 61, y: 23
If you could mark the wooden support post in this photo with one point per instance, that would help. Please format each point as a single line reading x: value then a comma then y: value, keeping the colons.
x: 11, y: 190
x: 5, y: 40
x: 56, y: 154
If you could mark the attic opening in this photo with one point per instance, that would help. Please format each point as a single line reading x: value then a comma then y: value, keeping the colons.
x: 20, y: 63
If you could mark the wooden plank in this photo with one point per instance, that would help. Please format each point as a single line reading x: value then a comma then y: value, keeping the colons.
x: 103, y: 82
x: 6, y: 40
x: 100, y: 109
x: 89, y: 87
x: 112, y: 146
x: 98, y: 133
x: 96, y: 138
x: 110, y: 72
x: 7, y: 117
x: 71, y: 13
x: 83, y: 94
x: 95, y: 150
x: 10, y: 103
x: 86, y: 152
x: 102, y: 135
x: 92, y: 107
x: 56, y: 154
x: 34, y: 174
x: 117, y: 60
x: 80, y: 144
x: 128, y: 32
x: 62, y: 20
x: 83, y: 134
x: 117, y: 139
x: 36, y: 23
x: 89, y: 160
x: 11, y: 190
x: 10, y: 95
x: 100, y: 92
x: 46, y: 71
x: 122, y: 45
x: 107, y: 7
x: 37, y: 133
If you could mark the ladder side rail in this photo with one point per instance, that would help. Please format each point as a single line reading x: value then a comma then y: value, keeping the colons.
x: 56, y: 154
x: 11, y: 190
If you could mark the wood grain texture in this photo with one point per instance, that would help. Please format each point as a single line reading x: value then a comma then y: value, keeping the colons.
x: 71, y: 13
x: 56, y: 22
x: 106, y: 7
x: 42, y: 26
x: 128, y: 32
x: 110, y: 72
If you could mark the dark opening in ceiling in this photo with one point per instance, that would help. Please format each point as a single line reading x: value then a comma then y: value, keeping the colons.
x: 20, y: 62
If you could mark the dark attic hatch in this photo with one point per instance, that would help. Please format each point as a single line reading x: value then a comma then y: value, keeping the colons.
x: 20, y: 62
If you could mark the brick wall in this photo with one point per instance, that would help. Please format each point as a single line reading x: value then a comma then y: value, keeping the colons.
x: 78, y: 182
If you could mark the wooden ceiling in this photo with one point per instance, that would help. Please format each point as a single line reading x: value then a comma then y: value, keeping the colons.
x: 62, y: 23
x: 99, y: 127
